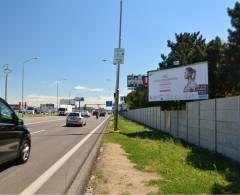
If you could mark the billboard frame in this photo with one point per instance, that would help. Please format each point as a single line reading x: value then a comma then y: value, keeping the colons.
x: 178, y: 67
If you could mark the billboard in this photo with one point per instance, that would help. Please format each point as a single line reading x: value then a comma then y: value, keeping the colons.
x: 67, y: 101
x: 79, y: 99
x: 135, y: 81
x: 183, y: 83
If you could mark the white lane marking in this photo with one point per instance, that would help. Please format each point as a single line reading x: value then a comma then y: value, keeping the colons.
x: 43, y: 122
x: 35, y: 132
x: 41, y: 180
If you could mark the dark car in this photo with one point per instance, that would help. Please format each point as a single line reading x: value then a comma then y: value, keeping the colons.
x: 102, y: 114
x: 15, y: 138
x: 94, y: 112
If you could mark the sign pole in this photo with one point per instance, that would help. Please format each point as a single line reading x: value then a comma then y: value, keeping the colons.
x: 118, y: 72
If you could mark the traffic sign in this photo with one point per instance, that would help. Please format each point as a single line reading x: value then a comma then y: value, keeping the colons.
x: 118, y: 56
x: 109, y: 103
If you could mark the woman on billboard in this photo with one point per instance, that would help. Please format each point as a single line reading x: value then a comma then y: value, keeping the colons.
x: 190, y: 75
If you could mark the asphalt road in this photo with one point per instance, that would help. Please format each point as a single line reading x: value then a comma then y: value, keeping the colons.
x: 56, y: 156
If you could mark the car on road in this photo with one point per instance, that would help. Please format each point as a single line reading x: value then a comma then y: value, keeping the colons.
x: 85, y: 114
x: 94, y: 112
x: 15, y: 138
x: 102, y: 114
x: 75, y: 118
x: 30, y: 110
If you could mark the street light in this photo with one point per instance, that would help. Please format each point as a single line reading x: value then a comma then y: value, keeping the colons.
x: 109, y: 61
x: 23, y: 69
x: 118, y: 71
x: 6, y: 71
x: 59, y: 81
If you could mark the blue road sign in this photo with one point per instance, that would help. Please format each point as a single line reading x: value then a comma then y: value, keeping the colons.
x: 109, y: 103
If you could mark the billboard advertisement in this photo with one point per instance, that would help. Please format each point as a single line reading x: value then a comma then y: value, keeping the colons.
x: 67, y: 101
x: 183, y: 83
x: 135, y: 81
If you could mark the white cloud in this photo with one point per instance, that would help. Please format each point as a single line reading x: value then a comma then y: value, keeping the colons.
x: 88, y: 89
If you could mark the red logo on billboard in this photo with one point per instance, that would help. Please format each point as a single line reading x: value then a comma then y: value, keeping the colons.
x: 165, y: 90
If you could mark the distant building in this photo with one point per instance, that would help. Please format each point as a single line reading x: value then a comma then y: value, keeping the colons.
x: 46, y: 108
x: 15, y: 106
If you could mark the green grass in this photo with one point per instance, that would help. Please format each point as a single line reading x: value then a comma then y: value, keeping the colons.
x: 182, y: 168
x: 35, y: 115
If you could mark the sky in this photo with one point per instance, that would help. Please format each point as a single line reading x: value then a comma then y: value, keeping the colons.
x: 71, y: 37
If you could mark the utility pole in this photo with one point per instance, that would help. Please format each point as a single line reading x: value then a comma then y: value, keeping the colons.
x: 118, y: 72
x: 23, y: 74
x: 58, y: 82
x: 57, y: 95
x: 6, y: 71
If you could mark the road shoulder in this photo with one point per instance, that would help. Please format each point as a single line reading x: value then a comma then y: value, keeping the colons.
x: 115, y: 174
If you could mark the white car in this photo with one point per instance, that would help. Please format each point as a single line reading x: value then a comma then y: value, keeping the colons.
x: 75, y: 118
x: 85, y: 114
x: 30, y: 110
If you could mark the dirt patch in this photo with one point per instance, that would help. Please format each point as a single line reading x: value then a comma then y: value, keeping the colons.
x: 115, y: 174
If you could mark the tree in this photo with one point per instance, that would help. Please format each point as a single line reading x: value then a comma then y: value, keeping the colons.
x: 218, y: 83
x: 189, y: 48
x: 233, y: 52
x: 137, y: 98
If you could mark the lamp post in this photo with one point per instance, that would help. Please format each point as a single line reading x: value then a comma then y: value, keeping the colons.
x: 59, y: 81
x: 23, y: 69
x: 106, y: 60
x: 6, y: 71
x: 118, y: 72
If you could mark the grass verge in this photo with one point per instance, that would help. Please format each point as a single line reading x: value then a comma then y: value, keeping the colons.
x: 183, y: 168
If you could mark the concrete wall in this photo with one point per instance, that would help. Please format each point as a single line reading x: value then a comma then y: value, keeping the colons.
x: 158, y: 118
x: 182, y: 124
x: 193, y: 123
x: 163, y: 121
x: 174, y: 123
x: 212, y: 124
x: 168, y: 122
x: 208, y: 124
x: 228, y: 127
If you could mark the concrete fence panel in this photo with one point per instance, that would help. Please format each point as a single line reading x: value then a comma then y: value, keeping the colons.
x: 148, y: 116
x: 158, y: 118
x: 152, y: 117
x: 193, y: 122
x: 174, y: 123
x: 168, y: 121
x: 182, y: 124
x: 208, y: 124
x: 155, y: 117
x: 145, y: 116
x: 163, y: 121
x: 228, y: 127
x: 141, y: 116
x: 211, y: 124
